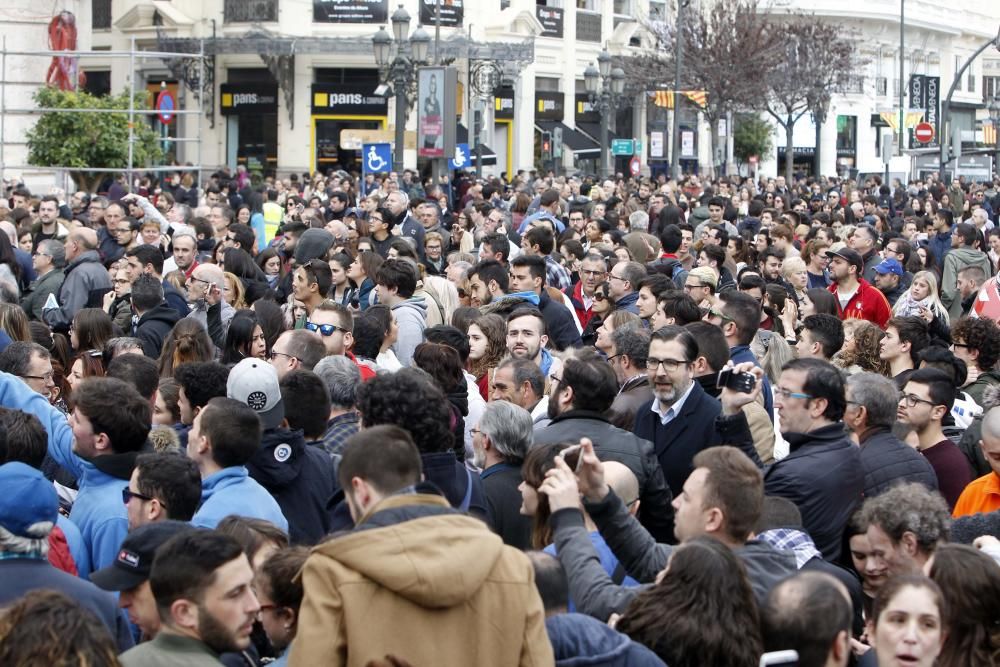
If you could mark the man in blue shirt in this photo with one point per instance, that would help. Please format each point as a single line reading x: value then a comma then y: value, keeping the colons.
x: 224, y: 437
x: 98, y: 445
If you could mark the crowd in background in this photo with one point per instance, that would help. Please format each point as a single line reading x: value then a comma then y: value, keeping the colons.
x: 546, y: 420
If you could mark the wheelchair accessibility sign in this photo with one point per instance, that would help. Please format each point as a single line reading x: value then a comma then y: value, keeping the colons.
x: 376, y: 158
x: 462, y: 157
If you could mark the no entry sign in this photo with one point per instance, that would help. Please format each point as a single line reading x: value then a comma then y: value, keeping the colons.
x: 924, y: 132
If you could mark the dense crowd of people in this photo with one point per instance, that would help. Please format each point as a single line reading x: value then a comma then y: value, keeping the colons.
x: 324, y: 420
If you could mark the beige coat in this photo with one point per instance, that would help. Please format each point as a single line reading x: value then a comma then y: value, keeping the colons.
x: 425, y: 584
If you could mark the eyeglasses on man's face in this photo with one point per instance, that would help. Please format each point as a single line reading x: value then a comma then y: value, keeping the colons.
x: 669, y: 365
x: 911, y: 400
x: 783, y: 393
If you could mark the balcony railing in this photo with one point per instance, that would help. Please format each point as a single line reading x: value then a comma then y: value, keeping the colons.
x: 247, y: 11
x: 100, y: 14
x: 588, y: 27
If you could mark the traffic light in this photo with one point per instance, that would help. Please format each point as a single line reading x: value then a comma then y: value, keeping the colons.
x: 557, y: 141
x: 546, y: 145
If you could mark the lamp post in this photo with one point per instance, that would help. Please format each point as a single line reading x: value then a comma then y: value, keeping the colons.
x: 605, y: 86
x: 994, y: 109
x: 400, y: 70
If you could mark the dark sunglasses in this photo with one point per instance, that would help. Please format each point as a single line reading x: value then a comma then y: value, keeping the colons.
x: 128, y: 494
x: 324, y: 329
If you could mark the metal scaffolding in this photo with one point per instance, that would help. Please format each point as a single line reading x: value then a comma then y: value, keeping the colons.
x: 132, y: 54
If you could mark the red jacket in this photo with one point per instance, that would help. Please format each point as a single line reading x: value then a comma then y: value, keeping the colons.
x: 868, y: 303
x: 576, y: 296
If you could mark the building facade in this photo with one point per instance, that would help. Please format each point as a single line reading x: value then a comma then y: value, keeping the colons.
x: 937, y: 41
x: 290, y: 85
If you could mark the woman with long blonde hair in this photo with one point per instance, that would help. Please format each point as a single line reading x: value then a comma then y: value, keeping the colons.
x: 923, y: 300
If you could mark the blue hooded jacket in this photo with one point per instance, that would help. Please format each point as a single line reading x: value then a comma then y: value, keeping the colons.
x: 233, y: 491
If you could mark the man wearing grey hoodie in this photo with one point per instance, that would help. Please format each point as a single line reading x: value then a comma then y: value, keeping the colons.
x: 395, y: 283
x: 966, y: 251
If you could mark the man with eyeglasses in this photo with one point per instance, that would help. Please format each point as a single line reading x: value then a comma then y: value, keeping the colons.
x: 48, y: 260
x: 926, y: 400
x: 113, y: 219
x: 32, y: 363
x: 208, y: 305
x: 976, y: 341
x: 823, y: 474
x: 593, y: 271
x: 294, y: 350
x: 872, y: 404
x: 623, y: 285
x: 680, y: 418
x: 700, y: 285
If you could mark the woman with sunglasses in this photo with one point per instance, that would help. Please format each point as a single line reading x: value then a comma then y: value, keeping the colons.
x: 603, y: 305
x: 118, y: 302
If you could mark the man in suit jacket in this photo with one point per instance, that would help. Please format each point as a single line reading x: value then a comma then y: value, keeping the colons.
x: 680, y: 420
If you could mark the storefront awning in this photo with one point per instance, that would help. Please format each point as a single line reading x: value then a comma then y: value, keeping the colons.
x: 582, y: 146
x: 593, y: 130
x: 462, y: 137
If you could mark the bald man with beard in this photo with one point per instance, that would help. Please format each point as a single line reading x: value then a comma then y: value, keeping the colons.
x: 85, y: 284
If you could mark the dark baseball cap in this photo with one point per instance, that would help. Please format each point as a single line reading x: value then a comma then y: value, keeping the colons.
x: 135, y: 557
x: 849, y: 256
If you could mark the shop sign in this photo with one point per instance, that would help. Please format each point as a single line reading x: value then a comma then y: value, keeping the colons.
x: 548, y: 106
x: 503, y: 103
x: 236, y: 99
x: 344, y: 99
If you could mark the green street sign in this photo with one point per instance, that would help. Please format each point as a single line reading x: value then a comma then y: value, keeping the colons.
x: 622, y: 147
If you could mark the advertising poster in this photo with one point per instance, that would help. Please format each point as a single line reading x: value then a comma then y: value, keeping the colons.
x: 431, y: 112
x: 350, y: 11
x: 451, y: 13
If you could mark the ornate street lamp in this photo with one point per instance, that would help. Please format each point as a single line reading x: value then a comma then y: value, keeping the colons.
x: 400, y: 70
x: 605, y: 86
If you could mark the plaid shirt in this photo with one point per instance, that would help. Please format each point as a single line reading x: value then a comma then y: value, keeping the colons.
x: 338, y: 430
x: 790, y: 539
x: 556, y: 275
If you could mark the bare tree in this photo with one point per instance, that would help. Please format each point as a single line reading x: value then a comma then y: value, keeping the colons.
x: 721, y: 48
x: 816, y: 62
